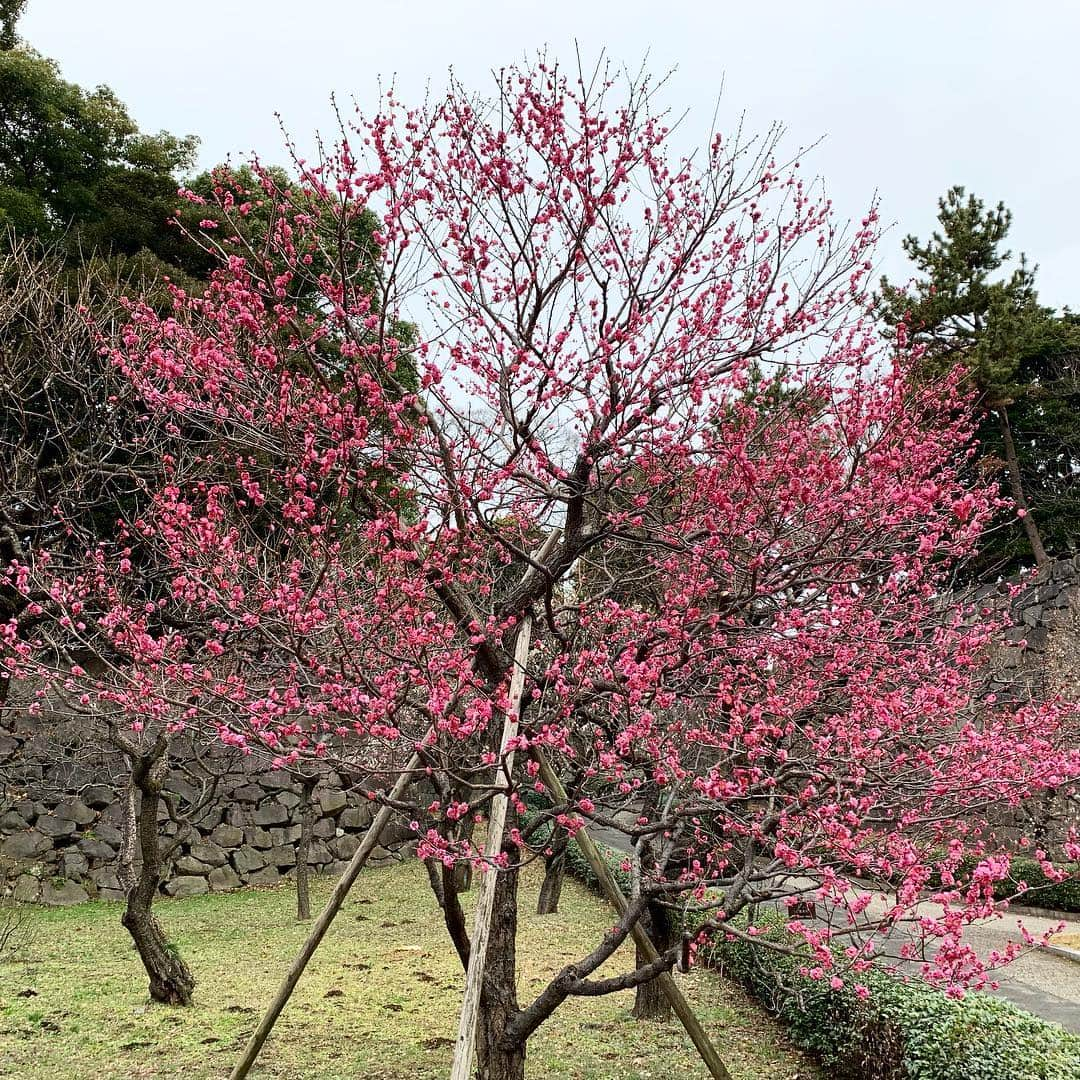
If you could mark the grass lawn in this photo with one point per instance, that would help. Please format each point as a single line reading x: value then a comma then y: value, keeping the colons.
x: 378, y: 1002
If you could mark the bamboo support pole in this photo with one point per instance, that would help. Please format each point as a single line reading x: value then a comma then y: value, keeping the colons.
x: 322, y: 924
x: 465, y: 1046
x: 611, y: 890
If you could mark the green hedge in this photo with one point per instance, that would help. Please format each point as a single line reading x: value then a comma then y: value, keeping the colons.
x: 1058, y: 895
x: 903, y: 1030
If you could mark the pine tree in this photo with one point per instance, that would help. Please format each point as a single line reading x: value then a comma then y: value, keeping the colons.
x: 967, y: 308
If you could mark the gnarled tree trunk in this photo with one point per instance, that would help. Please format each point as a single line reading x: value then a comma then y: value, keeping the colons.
x: 171, y: 982
x: 496, y: 1057
x: 650, y: 1002
x: 551, y: 890
x: 303, y: 850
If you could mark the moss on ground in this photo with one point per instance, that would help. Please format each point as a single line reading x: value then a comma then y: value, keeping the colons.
x: 379, y: 1001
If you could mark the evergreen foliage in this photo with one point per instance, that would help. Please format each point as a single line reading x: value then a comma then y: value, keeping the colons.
x: 967, y: 307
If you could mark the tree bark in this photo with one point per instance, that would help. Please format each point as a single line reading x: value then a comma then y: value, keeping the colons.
x: 497, y: 1058
x: 650, y: 1003
x: 171, y: 982
x: 463, y: 870
x: 1016, y: 487
x: 551, y: 889
x: 303, y: 849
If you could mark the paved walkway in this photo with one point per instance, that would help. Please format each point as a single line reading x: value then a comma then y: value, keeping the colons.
x: 1040, y: 981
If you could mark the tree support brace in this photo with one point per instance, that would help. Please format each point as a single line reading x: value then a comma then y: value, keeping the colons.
x: 680, y: 1006
x: 322, y: 924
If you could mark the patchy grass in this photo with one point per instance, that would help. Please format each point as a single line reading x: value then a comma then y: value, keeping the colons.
x: 378, y: 1001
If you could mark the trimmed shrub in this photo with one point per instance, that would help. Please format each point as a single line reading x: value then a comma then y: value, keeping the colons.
x: 1058, y: 895
x: 902, y: 1030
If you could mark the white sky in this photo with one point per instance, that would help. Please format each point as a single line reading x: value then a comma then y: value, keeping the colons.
x: 911, y: 97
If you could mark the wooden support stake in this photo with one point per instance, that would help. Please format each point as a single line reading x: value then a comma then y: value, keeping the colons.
x: 485, y: 898
x: 322, y: 924
x: 611, y: 890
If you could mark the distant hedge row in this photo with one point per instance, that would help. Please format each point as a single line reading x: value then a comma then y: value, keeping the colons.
x: 902, y: 1031
x: 1041, y: 892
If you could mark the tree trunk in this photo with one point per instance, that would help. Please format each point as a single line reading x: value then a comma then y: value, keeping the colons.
x: 463, y: 870
x: 496, y: 1058
x: 125, y: 859
x: 650, y: 1002
x: 171, y: 982
x: 303, y: 850
x: 1016, y: 488
x: 550, y: 891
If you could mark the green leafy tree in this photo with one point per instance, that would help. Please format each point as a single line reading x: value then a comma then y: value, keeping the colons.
x: 967, y: 307
x: 75, y: 168
x: 10, y: 10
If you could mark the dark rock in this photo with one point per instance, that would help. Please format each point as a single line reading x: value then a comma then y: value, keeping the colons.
x: 107, y: 834
x: 187, y: 886
x: 285, y: 836
x: 277, y: 781
x: 319, y: 854
x: 282, y: 856
x: 355, y: 817
x: 247, y: 793
x: 247, y: 859
x: 289, y: 799
x: 332, y: 801
x: 25, y: 845
x: 98, y: 796
x: 344, y: 847
x: 206, y: 819
x: 97, y: 850
x: 113, y: 814
x: 187, y: 865
x: 12, y: 822
x: 184, y: 788
x: 75, y: 810
x: 271, y: 813
x: 266, y: 876
x: 54, y: 826
x: 227, y: 836
x: 208, y: 853
x: 73, y: 864
x: 27, y: 889
x: 105, y: 879
x: 223, y: 879
x: 62, y: 894
x: 324, y: 828
x: 258, y: 838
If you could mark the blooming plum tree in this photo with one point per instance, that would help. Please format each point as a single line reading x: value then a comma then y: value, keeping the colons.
x: 766, y: 696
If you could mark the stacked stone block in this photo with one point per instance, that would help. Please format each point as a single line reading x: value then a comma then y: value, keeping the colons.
x: 63, y: 849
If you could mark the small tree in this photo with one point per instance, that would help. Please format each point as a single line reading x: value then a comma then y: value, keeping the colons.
x: 791, y: 709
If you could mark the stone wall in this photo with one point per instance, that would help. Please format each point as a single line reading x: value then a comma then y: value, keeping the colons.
x: 1041, y: 652
x: 61, y: 813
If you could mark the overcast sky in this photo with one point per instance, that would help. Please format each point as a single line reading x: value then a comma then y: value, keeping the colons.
x: 910, y: 98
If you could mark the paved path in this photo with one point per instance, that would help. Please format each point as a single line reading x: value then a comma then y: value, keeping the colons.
x: 1040, y: 981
